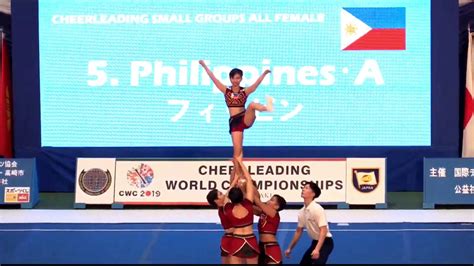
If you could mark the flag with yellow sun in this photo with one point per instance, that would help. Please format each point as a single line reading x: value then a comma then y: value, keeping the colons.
x: 373, y: 28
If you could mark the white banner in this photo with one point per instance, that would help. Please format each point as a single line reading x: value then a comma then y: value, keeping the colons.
x: 366, y: 181
x: 95, y: 180
x: 188, y: 182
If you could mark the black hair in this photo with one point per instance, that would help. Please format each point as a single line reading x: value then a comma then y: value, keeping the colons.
x: 235, y: 71
x: 236, y: 195
x: 281, y: 202
x: 212, y: 196
x: 315, y: 188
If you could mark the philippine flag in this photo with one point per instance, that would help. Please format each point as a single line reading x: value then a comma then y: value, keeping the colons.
x: 373, y: 28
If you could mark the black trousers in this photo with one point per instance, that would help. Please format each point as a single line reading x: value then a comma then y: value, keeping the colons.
x: 324, y: 253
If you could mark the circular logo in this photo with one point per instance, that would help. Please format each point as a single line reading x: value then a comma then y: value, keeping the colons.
x: 140, y: 176
x: 95, y: 181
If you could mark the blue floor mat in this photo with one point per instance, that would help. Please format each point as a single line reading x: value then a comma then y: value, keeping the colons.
x: 384, y: 243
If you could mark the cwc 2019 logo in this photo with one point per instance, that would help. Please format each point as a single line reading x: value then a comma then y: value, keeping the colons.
x: 95, y: 181
x: 365, y: 179
x: 140, y: 176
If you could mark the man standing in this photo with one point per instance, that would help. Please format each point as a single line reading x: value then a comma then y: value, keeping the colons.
x: 313, y: 218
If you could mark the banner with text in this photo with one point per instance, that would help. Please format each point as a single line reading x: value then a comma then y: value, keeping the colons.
x: 448, y: 181
x: 19, y: 182
x: 188, y: 182
x: 147, y: 77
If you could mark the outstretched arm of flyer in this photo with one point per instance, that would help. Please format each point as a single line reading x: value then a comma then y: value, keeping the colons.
x: 218, y: 84
x: 254, y: 86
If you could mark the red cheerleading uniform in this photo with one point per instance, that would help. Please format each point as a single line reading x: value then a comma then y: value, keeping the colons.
x: 267, y: 224
x: 269, y: 251
x: 227, y: 237
x: 232, y: 99
x: 243, y: 246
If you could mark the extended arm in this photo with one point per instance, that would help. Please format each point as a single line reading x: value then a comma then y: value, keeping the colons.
x: 323, y: 231
x: 254, y: 86
x: 265, y: 208
x: 218, y: 84
x: 294, y: 241
x: 249, y: 185
x: 234, y: 178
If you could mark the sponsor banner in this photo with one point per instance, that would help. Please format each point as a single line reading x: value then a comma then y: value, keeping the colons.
x: 366, y: 181
x: 19, y: 182
x: 188, y: 182
x: 17, y: 194
x: 448, y: 181
x: 95, y: 180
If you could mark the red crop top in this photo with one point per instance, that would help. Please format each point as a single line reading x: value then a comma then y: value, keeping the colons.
x: 233, y: 99
x: 267, y: 224
x: 226, y: 224
x: 240, y: 222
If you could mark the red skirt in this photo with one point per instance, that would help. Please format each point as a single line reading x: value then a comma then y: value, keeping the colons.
x: 236, y: 122
x: 244, y: 246
x: 269, y: 252
x: 226, y: 244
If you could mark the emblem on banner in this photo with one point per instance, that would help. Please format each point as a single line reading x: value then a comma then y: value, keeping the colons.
x: 95, y: 181
x: 365, y: 179
x: 140, y: 176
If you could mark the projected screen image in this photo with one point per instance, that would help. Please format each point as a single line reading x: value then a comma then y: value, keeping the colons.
x: 126, y: 73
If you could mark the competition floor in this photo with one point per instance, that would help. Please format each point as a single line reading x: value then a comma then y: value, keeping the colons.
x: 192, y: 236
